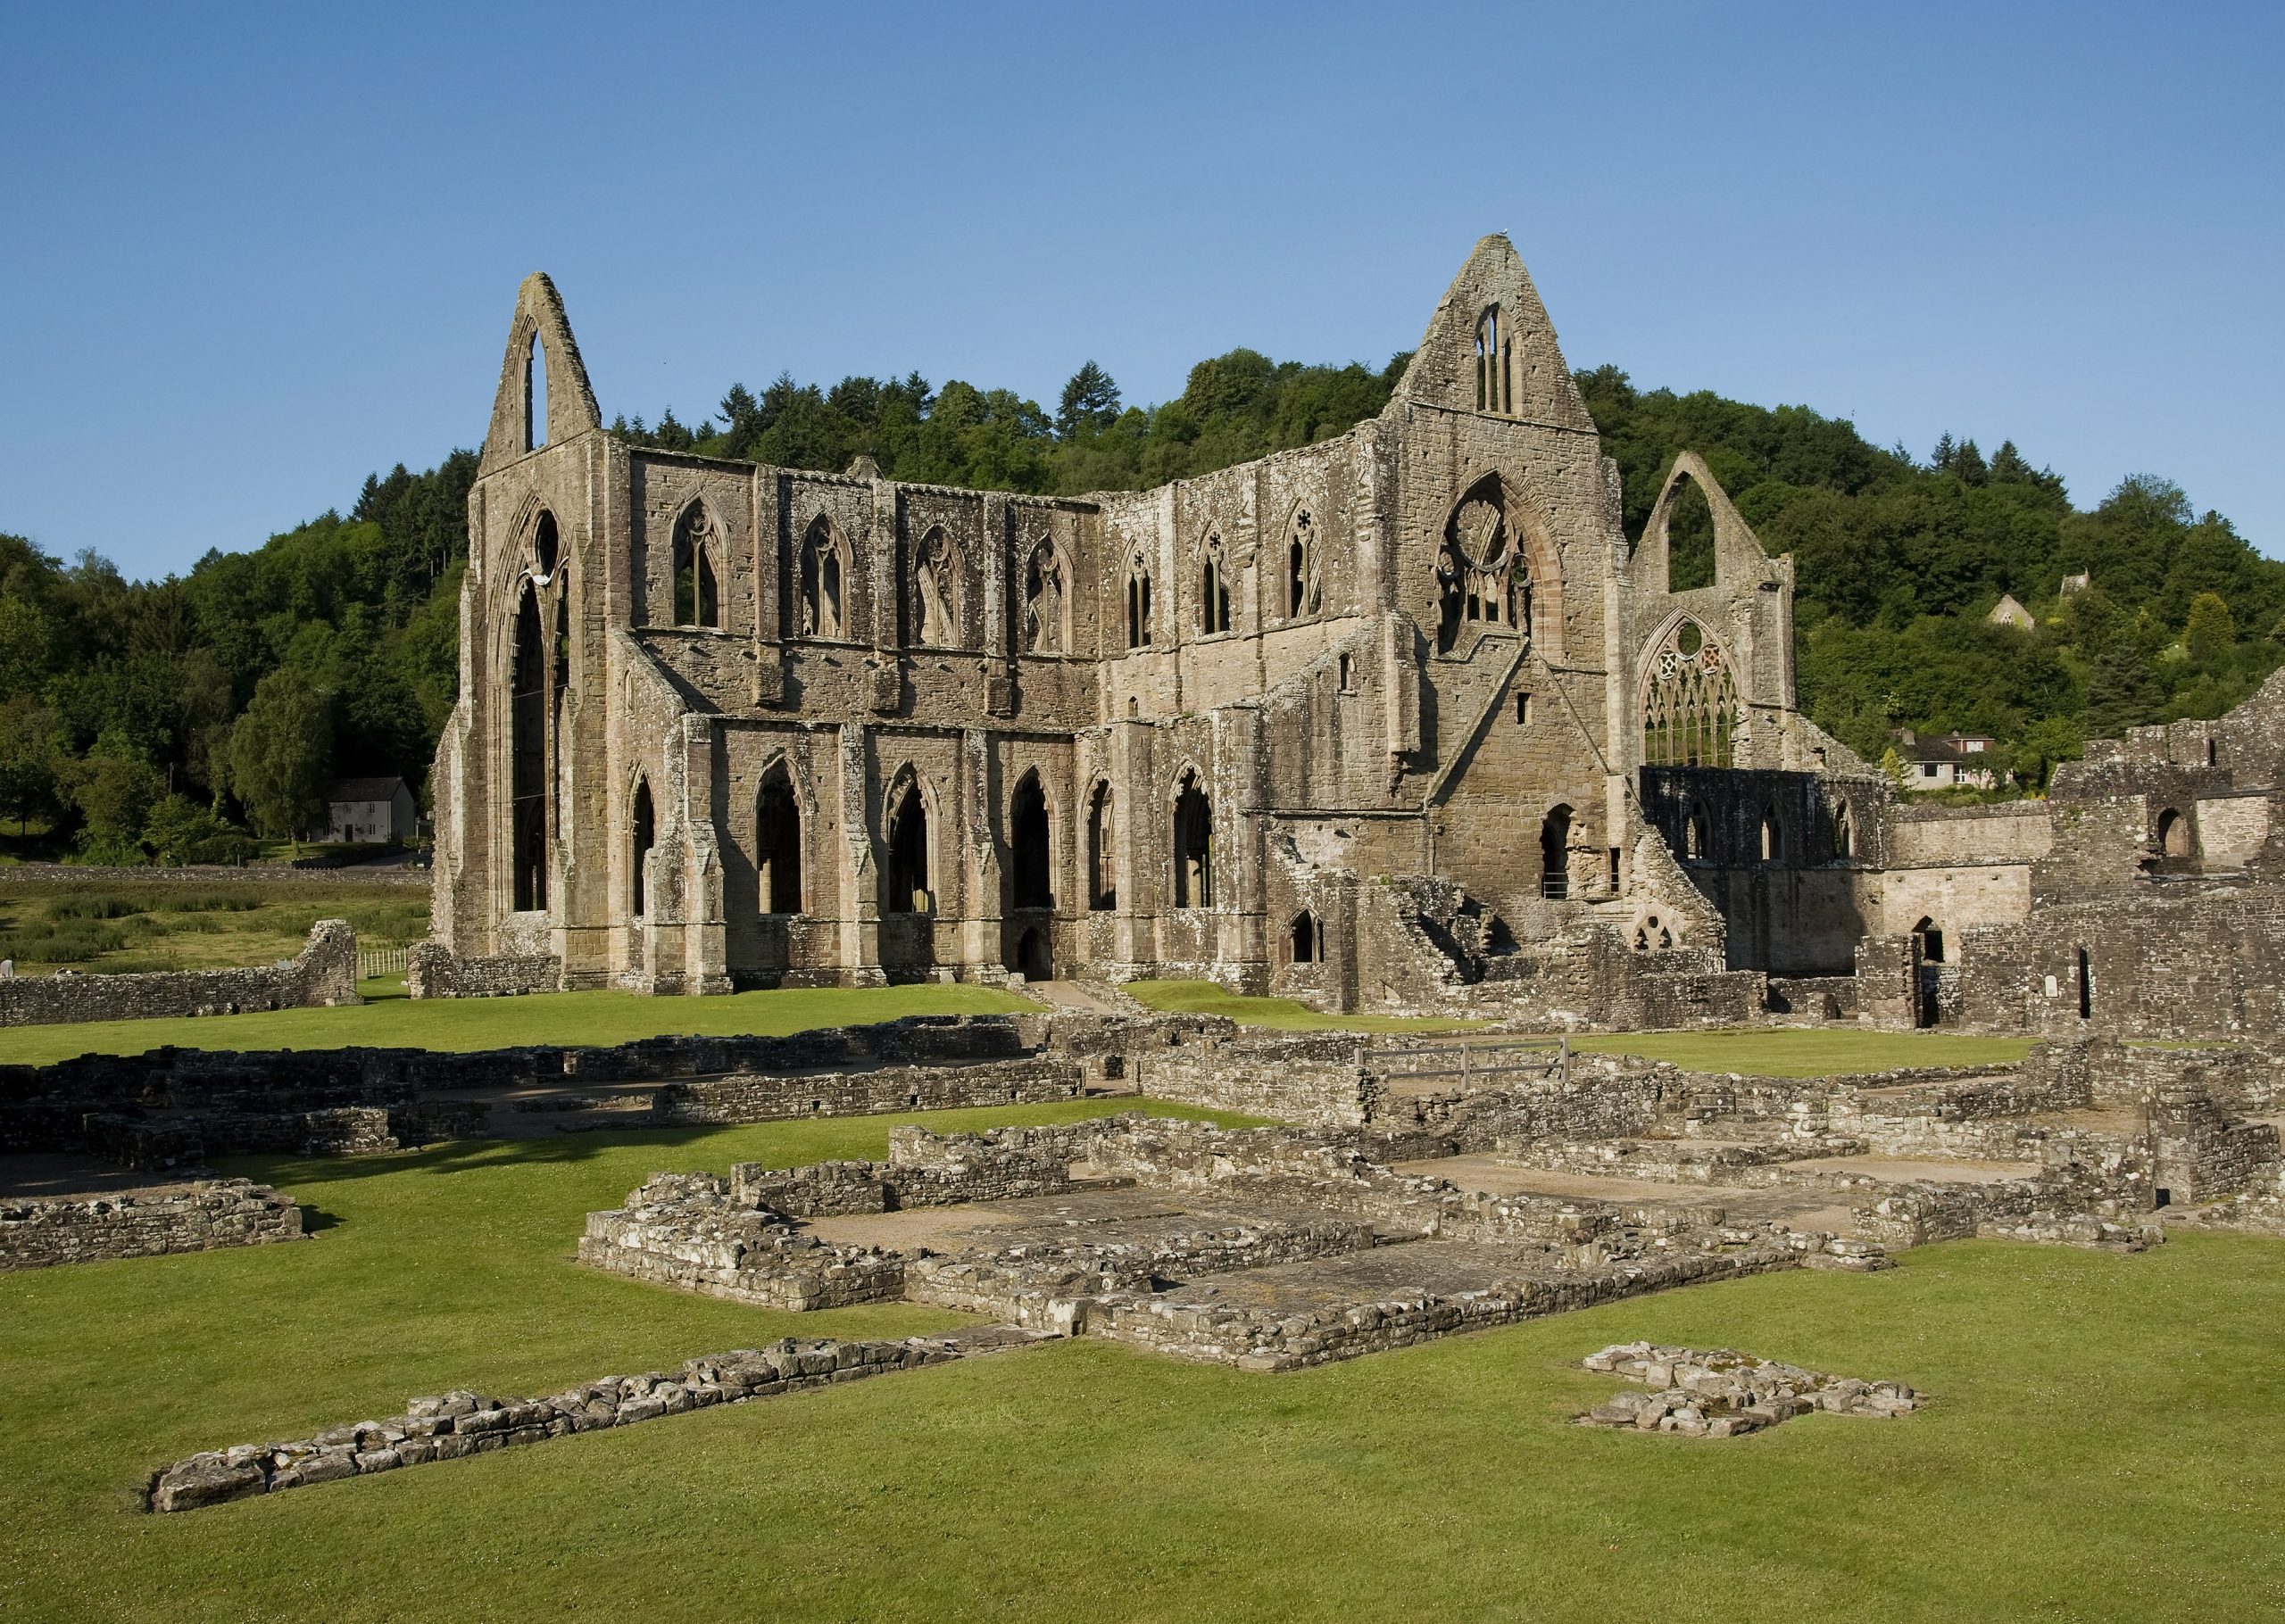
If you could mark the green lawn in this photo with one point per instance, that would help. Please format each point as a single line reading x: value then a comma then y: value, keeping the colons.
x: 2107, y: 1441
x: 1806, y: 1051
x: 1280, y: 1014
x: 392, y: 1020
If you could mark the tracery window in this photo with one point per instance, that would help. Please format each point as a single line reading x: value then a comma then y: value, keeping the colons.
x: 1689, y: 705
x: 1493, y: 354
x: 1044, y: 600
x: 1479, y: 574
x: 1138, y: 603
x: 1213, y: 590
x: 1304, y: 569
x: 825, y: 568
x: 936, y: 590
x: 699, y: 551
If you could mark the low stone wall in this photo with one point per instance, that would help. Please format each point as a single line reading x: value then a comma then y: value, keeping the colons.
x: 1311, y: 1082
x: 434, y: 970
x: 154, y: 1144
x: 1825, y: 997
x: 718, y: 1101
x: 1718, y: 1392
x: 451, y: 1425
x: 1285, y: 1341
x: 211, y: 1214
x: 2203, y: 1152
x: 682, y: 1229
x: 924, y: 1169
x: 324, y: 972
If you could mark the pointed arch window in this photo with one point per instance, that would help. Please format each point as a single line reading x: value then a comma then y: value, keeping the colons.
x: 1213, y: 590
x: 1138, y: 603
x: 1193, y: 845
x: 935, y: 610
x: 906, y: 877
x: 777, y: 843
x: 1308, y: 938
x: 1044, y: 600
x: 1481, y: 574
x: 1030, y: 859
x: 646, y: 835
x: 1493, y: 356
x: 1690, y: 704
x: 527, y: 756
x: 1772, y: 837
x: 535, y: 395
x: 699, y: 554
x: 1304, y: 569
x: 1102, y: 887
x: 1844, y: 832
x: 824, y: 581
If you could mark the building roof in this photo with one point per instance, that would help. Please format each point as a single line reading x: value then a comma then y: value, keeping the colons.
x: 363, y: 789
x: 2008, y: 612
x: 1911, y: 747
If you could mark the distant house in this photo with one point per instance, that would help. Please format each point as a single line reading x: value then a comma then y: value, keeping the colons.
x: 368, y: 810
x: 1943, y: 764
x: 2008, y: 612
x: 2074, y: 584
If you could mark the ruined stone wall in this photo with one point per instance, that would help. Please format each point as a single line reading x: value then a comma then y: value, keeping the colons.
x: 198, y: 1217
x: 1317, y: 1081
x: 433, y: 971
x: 323, y: 974
x: 718, y: 1101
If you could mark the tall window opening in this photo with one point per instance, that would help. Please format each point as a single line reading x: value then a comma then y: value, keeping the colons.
x: 1138, y: 604
x: 1492, y: 355
x: 1772, y: 838
x: 527, y: 758
x: 1555, y: 855
x: 1102, y: 889
x: 1689, y: 705
x: 934, y: 614
x: 1844, y: 833
x: 1308, y: 938
x: 1480, y: 572
x: 698, y: 552
x: 907, y: 868
x: 1193, y: 846
x: 546, y: 545
x: 1304, y: 569
x: 646, y: 835
x: 536, y: 395
x: 1697, y: 833
x: 777, y: 843
x: 1213, y: 590
x: 1044, y: 600
x: 823, y: 583
x: 1027, y: 841
x: 560, y: 687
x: 2086, y: 986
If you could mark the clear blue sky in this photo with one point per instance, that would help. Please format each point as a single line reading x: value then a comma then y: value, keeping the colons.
x: 246, y: 257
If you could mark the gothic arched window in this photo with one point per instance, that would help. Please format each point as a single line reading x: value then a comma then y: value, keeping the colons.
x: 1493, y: 354
x: 1193, y: 850
x: 1480, y: 572
x: 936, y: 590
x: 699, y: 553
x: 1044, y: 600
x: 1213, y: 590
x: 824, y: 581
x: 1689, y: 705
x: 1304, y: 569
x: 1138, y: 603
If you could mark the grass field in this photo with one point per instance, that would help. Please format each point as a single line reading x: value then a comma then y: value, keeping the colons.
x: 114, y: 926
x: 1280, y: 1014
x: 392, y: 1020
x: 2106, y: 1441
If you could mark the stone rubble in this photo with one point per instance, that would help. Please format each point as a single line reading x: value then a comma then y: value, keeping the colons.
x: 1721, y: 1393
x: 461, y: 1422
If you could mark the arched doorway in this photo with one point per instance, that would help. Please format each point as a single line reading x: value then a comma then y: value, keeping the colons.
x: 1930, y: 935
x: 1555, y: 855
x: 1034, y: 960
x: 1193, y: 850
x: 1308, y: 938
x: 646, y: 835
x: 2174, y: 834
x: 1030, y: 863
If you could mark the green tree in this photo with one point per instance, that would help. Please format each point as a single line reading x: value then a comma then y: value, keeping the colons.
x: 112, y: 787
x: 279, y: 752
x: 1089, y: 404
x: 2211, y: 632
x: 27, y: 748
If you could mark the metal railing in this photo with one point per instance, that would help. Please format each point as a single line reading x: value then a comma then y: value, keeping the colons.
x: 380, y: 961
x: 1555, y: 886
x: 1469, y: 1061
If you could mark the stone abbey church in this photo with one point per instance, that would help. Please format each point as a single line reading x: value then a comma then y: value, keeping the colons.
x: 1402, y: 719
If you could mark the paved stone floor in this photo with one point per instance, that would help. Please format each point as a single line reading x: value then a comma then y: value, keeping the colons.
x: 1111, y: 1216
x: 1441, y: 1268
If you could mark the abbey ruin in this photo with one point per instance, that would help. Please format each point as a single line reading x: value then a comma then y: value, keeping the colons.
x: 1401, y: 720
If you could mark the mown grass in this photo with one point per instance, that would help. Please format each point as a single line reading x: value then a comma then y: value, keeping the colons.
x: 1280, y: 1014
x: 390, y: 1020
x: 2106, y: 1441
x: 1806, y: 1051
x: 114, y: 927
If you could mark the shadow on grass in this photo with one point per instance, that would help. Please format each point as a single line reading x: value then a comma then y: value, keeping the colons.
x: 316, y: 1220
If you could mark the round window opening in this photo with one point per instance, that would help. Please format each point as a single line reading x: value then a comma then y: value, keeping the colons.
x: 1689, y: 638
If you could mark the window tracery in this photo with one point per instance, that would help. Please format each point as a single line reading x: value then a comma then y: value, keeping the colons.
x: 1479, y: 574
x: 1690, y: 704
x: 1044, y: 600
